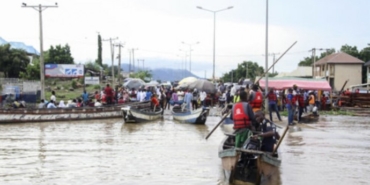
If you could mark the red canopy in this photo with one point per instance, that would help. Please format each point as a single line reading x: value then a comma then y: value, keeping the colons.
x: 302, y: 83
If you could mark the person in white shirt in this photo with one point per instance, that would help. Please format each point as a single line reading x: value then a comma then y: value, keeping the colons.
x: 143, y: 95
x: 180, y: 96
x: 98, y: 103
x: 61, y: 104
x: 202, y: 97
x: 232, y: 92
x: 41, y: 104
x: 52, y: 97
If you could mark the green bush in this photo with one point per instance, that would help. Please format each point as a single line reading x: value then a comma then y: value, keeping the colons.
x: 74, y: 84
x: 96, y: 87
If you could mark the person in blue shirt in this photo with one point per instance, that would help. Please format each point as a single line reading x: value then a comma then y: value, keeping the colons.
x: 148, y: 95
x: 289, y: 106
x: 85, y: 98
x: 187, y: 100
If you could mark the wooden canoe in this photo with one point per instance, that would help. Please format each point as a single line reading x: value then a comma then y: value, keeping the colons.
x: 198, y: 116
x: 23, y: 115
x: 143, y: 113
x: 247, y: 167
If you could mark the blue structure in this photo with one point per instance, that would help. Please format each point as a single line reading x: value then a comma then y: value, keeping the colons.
x: 20, y: 45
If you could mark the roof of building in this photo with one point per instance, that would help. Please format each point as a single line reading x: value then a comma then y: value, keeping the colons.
x: 302, y: 83
x: 367, y: 63
x: 301, y: 71
x: 20, y: 45
x: 339, y: 58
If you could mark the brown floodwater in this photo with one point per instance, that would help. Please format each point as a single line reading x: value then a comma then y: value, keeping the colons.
x: 334, y: 151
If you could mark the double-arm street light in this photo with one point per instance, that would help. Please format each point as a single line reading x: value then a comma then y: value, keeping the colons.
x: 214, y: 34
x: 41, y: 8
x: 190, y: 44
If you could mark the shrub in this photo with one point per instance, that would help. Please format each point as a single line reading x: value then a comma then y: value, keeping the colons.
x: 97, y: 87
x: 74, y: 84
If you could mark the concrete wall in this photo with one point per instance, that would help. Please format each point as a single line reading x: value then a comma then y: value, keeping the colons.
x: 342, y: 72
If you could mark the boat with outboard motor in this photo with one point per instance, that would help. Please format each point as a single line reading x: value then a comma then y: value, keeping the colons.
x: 248, y: 165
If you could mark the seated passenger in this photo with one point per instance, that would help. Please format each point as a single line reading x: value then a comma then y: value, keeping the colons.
x: 51, y: 105
x: 41, y: 104
x: 98, y: 103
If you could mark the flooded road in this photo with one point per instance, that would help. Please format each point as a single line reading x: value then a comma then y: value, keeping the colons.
x: 334, y: 151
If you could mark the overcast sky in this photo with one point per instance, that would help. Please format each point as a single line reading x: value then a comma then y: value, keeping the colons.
x: 157, y: 28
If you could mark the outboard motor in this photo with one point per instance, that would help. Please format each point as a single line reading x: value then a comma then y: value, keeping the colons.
x: 246, y: 169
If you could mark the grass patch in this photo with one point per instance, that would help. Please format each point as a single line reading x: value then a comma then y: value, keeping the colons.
x: 64, y: 93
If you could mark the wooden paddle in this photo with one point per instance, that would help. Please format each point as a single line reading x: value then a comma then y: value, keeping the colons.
x: 223, y: 118
x: 281, y: 139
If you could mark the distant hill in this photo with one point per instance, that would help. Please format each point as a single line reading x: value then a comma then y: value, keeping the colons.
x: 165, y: 74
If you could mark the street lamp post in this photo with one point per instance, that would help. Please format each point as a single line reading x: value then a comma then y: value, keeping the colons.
x: 190, y: 52
x: 214, y: 35
x: 266, y: 57
x: 40, y: 8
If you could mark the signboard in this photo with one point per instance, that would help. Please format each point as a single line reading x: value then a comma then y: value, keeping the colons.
x: 64, y: 70
x: 93, y: 80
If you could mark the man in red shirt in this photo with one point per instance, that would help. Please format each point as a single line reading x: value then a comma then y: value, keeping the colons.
x: 108, y: 91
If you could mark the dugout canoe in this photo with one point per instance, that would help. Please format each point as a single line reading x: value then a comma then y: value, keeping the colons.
x: 142, y: 113
x: 198, y: 116
x: 27, y: 115
x: 247, y: 166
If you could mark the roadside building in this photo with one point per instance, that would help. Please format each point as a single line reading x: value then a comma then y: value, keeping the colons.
x: 337, y: 68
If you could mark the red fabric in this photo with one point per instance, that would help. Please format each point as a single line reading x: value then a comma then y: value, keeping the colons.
x: 300, y: 100
x: 108, y: 91
x: 155, y: 101
x: 257, y: 101
x: 306, y: 84
x: 272, y: 96
x: 120, y: 101
x: 241, y: 120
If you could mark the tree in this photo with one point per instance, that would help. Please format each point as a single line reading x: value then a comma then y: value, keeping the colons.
x: 144, y: 75
x: 99, y: 59
x: 365, y: 56
x: 240, y: 72
x: 32, y: 70
x: 12, y: 61
x: 59, y: 55
x: 307, y: 61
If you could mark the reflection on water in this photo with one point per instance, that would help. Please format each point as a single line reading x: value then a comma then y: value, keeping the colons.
x: 334, y: 151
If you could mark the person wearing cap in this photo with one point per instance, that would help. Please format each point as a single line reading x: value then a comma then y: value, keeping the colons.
x: 273, y: 103
x: 243, y: 118
x: 256, y: 99
x: 268, y: 133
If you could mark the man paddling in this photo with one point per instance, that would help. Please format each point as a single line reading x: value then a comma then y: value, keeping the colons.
x: 268, y: 135
x: 243, y: 117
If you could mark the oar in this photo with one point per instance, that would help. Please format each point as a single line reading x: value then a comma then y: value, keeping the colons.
x: 223, y: 118
x: 281, y: 139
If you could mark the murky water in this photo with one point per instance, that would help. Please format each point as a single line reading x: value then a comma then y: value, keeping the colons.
x: 335, y: 151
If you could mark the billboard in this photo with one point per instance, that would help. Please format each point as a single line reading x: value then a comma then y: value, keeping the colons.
x: 93, y: 80
x: 64, y: 70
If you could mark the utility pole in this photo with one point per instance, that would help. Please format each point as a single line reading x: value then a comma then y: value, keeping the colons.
x: 133, y: 58
x: 138, y: 60
x: 313, y: 50
x: 120, y: 45
x: 246, y: 71
x: 40, y: 8
x: 112, y: 55
x: 190, y: 50
x: 129, y: 62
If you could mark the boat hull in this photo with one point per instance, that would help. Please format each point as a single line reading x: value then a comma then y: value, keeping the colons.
x: 60, y: 114
x: 198, y: 116
x: 133, y: 115
x: 263, y: 169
